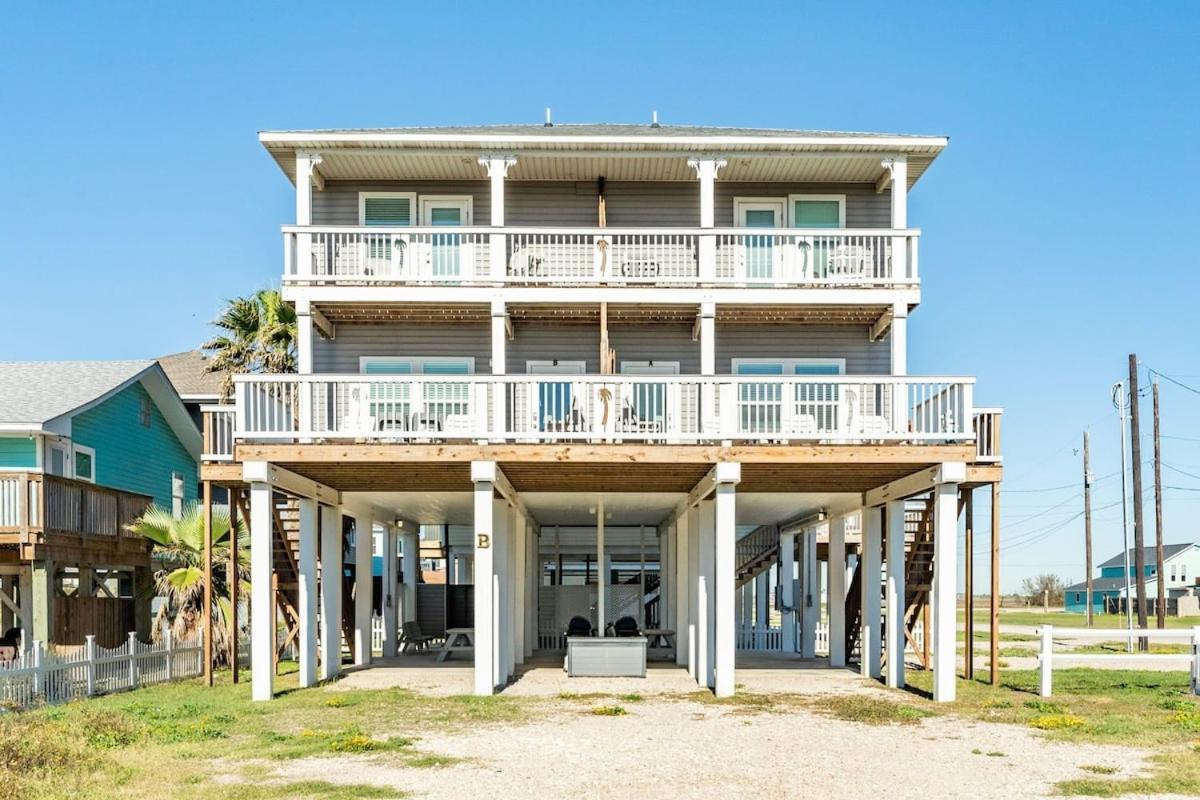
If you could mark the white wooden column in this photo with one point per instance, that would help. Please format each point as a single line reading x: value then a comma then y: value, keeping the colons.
x: 706, y: 626
x: 837, y: 592
x: 601, y: 571
x: 871, y: 664
x: 497, y: 170
x: 898, y: 167
x: 706, y: 171
x: 308, y: 590
x: 363, y: 589
x: 391, y: 593
x: 895, y: 594
x: 533, y: 582
x: 331, y: 592
x: 762, y: 599
x: 499, y: 395
x: 262, y: 600
x: 514, y: 590
x: 810, y: 601
x: 666, y: 575
x: 483, y: 476
x: 787, y: 594
x: 501, y: 627
x: 694, y: 594
x: 945, y: 589
x: 683, y: 592
x: 306, y: 171
x: 898, y: 339
x: 410, y: 541
x: 708, y: 366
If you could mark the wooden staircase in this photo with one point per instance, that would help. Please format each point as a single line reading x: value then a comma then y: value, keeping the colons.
x: 756, y: 552
x: 918, y: 572
x: 285, y: 548
x: 854, y: 610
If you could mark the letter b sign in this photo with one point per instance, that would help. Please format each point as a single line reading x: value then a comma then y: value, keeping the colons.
x: 483, y: 541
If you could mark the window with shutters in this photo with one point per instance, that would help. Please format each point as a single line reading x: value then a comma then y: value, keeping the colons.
x: 385, y: 209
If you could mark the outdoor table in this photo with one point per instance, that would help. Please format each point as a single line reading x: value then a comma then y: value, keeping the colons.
x: 457, y: 640
x: 659, y: 638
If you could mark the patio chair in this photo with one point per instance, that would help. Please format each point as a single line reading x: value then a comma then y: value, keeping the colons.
x: 579, y: 626
x: 626, y: 627
x: 411, y: 635
x: 10, y: 645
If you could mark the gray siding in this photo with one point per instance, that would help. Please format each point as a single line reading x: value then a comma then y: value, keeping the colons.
x: 341, y: 355
x: 582, y: 343
x: 864, y: 208
x: 656, y: 343
x: 629, y: 203
x: 553, y: 342
x: 863, y: 357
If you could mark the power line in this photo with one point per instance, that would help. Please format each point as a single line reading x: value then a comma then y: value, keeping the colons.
x: 1180, y: 384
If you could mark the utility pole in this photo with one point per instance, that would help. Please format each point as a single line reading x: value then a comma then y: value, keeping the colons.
x: 1087, y: 521
x: 1118, y: 395
x: 1139, y: 531
x: 1160, y: 606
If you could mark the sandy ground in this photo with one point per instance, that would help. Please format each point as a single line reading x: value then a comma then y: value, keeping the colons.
x: 678, y: 748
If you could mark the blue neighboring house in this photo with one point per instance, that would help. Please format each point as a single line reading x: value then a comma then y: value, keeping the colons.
x: 1181, y: 565
x: 84, y: 447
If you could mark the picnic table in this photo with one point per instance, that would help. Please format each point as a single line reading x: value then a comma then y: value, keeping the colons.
x: 457, y: 640
x: 659, y: 638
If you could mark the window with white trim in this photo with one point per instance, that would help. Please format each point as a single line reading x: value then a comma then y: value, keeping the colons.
x: 83, y: 463
x: 386, y: 209
x: 816, y: 211
x: 391, y: 406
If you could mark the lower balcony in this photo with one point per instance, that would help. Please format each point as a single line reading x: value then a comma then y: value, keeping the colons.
x: 600, y: 409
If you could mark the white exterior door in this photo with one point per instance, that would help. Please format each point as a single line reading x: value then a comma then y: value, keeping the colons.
x: 555, y: 403
x: 761, y: 255
x: 650, y: 404
x: 449, y: 255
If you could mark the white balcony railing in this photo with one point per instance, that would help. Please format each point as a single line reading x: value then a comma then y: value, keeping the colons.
x: 218, y: 432
x: 539, y: 256
x: 987, y: 434
x: 604, y: 408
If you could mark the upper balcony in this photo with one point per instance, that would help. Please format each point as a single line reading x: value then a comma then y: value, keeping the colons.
x: 676, y: 257
x: 618, y: 207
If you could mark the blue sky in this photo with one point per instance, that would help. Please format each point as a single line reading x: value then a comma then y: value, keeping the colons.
x: 1059, y: 227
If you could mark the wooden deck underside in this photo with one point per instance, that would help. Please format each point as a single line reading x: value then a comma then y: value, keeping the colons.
x: 595, y: 468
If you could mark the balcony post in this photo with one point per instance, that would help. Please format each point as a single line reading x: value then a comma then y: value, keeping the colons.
x: 898, y: 340
x: 306, y: 175
x: 707, y: 324
x: 706, y: 170
x: 497, y: 170
x: 898, y: 167
x: 500, y: 324
x: 304, y: 362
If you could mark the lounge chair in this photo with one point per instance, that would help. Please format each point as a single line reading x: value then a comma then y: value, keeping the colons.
x: 626, y: 627
x: 579, y: 626
x: 411, y: 634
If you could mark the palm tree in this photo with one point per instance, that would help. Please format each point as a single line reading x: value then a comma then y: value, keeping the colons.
x: 179, y: 547
x: 258, y: 335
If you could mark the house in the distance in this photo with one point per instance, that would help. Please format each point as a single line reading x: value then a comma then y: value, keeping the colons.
x: 1181, y: 568
x: 85, y: 446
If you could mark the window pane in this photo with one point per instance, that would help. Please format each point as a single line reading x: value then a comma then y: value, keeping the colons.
x: 388, y: 211
x: 818, y: 369
x: 83, y: 465
x: 818, y: 214
x: 387, y: 368
x: 445, y: 216
x: 760, y: 218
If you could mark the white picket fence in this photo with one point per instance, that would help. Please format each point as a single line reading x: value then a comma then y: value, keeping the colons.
x: 1046, y: 651
x: 66, y: 673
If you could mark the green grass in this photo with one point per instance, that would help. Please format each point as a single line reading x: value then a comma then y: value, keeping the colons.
x: 1151, y: 710
x: 1065, y: 620
x: 609, y: 711
x: 869, y: 710
x: 165, y: 741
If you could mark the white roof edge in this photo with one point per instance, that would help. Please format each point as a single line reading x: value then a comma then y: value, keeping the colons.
x: 24, y: 428
x: 299, y: 137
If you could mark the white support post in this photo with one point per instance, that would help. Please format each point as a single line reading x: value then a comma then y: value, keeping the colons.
x: 331, y: 593
x: 895, y: 594
x: 497, y: 170
x: 871, y: 662
x: 483, y: 476
x: 706, y: 171
x: 500, y: 578
x: 601, y: 572
x: 306, y: 165
x: 363, y: 590
x: 945, y: 589
x: 1045, y: 661
x: 133, y: 659
x: 683, y: 591
x: 787, y: 591
x: 39, y: 678
x: 307, y: 519
x: 499, y: 367
x: 837, y: 592
x: 762, y: 599
x: 412, y: 557
x: 898, y: 338
x: 262, y: 601
x: 89, y: 653
x: 898, y: 166
x: 391, y: 593
x: 533, y: 575
x: 695, y: 639
x: 728, y: 474
x: 709, y: 420
x: 706, y: 623
x: 810, y: 601
x: 1196, y: 660
x: 512, y: 577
